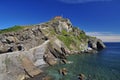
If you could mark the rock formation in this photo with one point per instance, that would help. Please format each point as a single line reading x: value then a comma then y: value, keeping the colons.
x: 96, y: 44
x: 23, y: 53
x: 63, y: 71
x: 81, y: 77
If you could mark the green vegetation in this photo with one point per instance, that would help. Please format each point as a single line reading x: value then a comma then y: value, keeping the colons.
x: 72, y: 41
x: 67, y: 40
x: 64, y: 32
x: 49, y: 32
x: 52, y: 31
x: 82, y: 36
x: 12, y: 29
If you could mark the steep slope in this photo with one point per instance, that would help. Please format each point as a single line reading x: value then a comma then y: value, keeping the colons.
x: 30, y: 48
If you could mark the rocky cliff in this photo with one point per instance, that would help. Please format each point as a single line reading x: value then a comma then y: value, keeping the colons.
x: 23, y: 52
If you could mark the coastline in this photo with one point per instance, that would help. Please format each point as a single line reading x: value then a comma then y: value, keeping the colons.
x: 24, y: 51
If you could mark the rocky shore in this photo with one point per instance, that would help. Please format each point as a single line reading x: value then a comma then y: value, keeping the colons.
x: 24, y: 53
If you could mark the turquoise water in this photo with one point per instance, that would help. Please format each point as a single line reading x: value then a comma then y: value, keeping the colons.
x: 102, y: 66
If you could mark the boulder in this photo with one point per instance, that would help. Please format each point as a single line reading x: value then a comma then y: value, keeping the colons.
x: 81, y: 77
x: 64, y: 61
x: 63, y: 71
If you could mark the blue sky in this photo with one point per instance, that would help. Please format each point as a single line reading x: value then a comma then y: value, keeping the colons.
x: 96, y: 17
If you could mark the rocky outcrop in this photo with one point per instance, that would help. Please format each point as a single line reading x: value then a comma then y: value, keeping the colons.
x: 60, y: 24
x: 63, y: 71
x: 21, y: 40
x: 56, y: 50
x: 37, y: 46
x: 21, y: 64
x: 81, y: 77
x: 96, y: 44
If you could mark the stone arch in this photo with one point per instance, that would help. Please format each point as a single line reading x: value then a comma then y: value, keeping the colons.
x: 99, y: 46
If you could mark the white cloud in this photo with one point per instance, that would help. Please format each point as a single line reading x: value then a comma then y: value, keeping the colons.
x: 101, y: 34
x: 80, y: 1
x: 105, y: 36
x: 109, y: 38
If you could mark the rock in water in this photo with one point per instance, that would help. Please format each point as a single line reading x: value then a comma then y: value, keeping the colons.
x: 81, y: 77
x: 63, y: 71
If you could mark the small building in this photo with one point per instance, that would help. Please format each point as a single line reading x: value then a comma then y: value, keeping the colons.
x: 58, y: 17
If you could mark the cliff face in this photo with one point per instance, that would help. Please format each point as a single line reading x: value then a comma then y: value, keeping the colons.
x: 27, y: 50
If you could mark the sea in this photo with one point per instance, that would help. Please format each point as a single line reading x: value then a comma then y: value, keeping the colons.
x: 104, y: 65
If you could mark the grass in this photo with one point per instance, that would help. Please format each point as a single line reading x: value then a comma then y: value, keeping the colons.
x: 52, y: 31
x: 12, y: 29
x: 64, y: 32
x: 67, y: 40
x: 82, y: 36
x: 71, y: 41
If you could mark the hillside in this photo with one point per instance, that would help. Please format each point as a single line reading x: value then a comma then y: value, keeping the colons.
x: 25, y: 50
